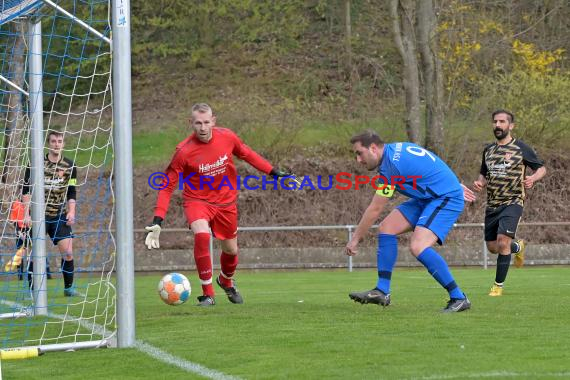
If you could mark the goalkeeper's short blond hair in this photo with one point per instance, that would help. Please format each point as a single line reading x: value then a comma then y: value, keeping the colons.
x: 202, y: 108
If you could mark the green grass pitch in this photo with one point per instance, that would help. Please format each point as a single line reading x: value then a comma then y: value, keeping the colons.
x: 302, y: 325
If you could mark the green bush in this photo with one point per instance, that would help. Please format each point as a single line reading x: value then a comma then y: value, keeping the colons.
x: 539, y: 102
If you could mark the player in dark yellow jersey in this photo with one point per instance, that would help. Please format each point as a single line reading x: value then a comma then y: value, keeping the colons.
x: 503, y: 172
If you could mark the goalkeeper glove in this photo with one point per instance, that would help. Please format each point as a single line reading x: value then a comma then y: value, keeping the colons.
x: 276, y: 173
x: 16, y: 261
x: 279, y: 173
x: 153, y: 233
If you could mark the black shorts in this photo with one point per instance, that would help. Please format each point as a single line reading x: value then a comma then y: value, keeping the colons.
x: 57, y: 229
x: 502, y: 220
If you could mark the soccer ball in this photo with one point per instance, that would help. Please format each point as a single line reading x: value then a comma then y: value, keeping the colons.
x: 174, y: 289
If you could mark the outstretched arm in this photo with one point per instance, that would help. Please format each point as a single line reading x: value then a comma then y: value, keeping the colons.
x: 244, y: 152
x: 163, y: 201
x: 371, y: 214
x: 168, y: 185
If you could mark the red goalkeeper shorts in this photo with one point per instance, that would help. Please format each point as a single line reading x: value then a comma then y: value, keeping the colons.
x: 222, y: 219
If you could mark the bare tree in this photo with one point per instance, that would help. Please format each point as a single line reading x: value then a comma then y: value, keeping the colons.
x: 402, y: 13
x: 348, y: 36
x: 14, y: 131
x: 432, y: 74
x: 350, y: 74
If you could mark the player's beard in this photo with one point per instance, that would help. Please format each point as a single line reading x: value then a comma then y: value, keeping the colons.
x: 502, y: 134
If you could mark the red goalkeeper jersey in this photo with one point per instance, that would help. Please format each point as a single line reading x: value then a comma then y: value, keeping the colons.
x: 207, y: 170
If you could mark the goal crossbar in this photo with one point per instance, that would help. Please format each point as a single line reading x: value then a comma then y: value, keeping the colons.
x: 78, y: 21
x: 13, y: 85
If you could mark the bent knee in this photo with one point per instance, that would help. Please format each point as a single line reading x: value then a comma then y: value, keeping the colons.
x: 492, y: 246
x: 230, y: 247
x: 416, y: 248
x: 383, y: 228
x: 231, y: 251
x: 503, y: 244
x: 389, y: 228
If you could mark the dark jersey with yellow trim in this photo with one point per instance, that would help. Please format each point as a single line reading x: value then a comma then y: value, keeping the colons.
x: 504, y: 168
x: 60, y: 179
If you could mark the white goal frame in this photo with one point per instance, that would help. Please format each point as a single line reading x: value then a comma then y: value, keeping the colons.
x: 123, y: 172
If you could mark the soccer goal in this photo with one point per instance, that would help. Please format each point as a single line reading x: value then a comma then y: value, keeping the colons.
x: 65, y: 66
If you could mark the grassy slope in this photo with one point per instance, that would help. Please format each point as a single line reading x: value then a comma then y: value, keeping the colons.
x: 302, y: 325
x: 297, y: 97
x: 157, y: 146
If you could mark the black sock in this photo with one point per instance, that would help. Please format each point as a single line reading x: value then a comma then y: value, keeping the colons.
x: 67, y: 269
x: 503, y: 262
x: 30, y: 273
x: 21, y: 270
x: 48, y: 271
x: 515, y: 247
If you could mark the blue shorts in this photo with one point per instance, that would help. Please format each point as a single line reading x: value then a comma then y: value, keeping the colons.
x: 438, y: 215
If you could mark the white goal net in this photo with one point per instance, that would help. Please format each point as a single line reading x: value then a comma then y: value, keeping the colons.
x: 38, y: 306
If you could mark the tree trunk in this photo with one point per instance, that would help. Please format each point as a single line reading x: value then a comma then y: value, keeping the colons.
x: 348, y: 49
x: 432, y: 74
x: 402, y: 15
x: 14, y: 133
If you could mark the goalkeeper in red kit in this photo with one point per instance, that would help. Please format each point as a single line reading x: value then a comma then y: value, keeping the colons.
x: 205, y: 163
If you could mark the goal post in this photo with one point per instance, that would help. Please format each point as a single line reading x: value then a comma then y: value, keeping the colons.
x: 36, y: 118
x: 122, y: 112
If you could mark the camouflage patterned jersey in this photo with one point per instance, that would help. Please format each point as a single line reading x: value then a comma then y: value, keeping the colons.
x: 504, y: 168
x: 60, y: 180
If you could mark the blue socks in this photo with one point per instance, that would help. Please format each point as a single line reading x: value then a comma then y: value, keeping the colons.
x: 438, y: 268
x: 385, y: 260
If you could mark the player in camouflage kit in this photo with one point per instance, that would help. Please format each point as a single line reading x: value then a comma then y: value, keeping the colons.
x: 503, y: 171
x: 60, y: 179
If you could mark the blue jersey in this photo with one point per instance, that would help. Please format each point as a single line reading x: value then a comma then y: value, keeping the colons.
x: 412, y: 166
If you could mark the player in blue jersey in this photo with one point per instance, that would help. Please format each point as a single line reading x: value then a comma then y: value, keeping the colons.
x: 436, y: 201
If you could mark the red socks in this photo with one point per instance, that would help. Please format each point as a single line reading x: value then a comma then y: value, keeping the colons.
x: 203, y: 262
x: 228, y: 265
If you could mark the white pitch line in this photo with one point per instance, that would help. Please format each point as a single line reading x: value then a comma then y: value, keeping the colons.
x: 186, y: 365
x: 500, y: 374
x: 148, y: 349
